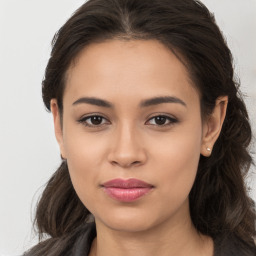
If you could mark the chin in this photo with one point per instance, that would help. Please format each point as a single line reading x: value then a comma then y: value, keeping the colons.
x: 129, y: 222
x: 129, y: 226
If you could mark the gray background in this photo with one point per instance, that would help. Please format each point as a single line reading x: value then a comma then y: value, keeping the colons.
x: 28, y: 151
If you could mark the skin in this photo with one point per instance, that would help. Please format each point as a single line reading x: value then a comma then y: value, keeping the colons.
x: 129, y: 143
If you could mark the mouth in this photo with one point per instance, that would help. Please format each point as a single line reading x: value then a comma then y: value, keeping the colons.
x: 126, y: 190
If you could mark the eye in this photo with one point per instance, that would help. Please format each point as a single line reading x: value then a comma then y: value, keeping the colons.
x: 96, y: 121
x: 93, y: 121
x: 163, y: 120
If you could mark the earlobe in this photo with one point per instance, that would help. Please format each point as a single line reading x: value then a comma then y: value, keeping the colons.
x: 57, y: 126
x: 212, y: 126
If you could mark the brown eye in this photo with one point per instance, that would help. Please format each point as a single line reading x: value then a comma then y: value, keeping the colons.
x: 93, y: 121
x: 96, y: 120
x: 162, y: 120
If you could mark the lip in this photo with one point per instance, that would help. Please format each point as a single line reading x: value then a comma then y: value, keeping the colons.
x: 126, y: 190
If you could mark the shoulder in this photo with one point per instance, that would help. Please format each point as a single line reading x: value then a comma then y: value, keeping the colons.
x: 84, y: 241
x: 233, y: 246
x: 76, y: 244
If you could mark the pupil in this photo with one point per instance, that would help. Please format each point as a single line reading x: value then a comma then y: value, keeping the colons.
x: 160, y: 120
x: 96, y: 120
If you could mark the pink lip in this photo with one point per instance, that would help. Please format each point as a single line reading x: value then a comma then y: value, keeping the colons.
x: 126, y: 190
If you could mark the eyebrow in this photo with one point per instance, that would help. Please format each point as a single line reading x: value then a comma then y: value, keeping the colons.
x: 144, y: 103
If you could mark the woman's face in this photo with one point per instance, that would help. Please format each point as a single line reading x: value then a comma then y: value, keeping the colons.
x: 145, y: 125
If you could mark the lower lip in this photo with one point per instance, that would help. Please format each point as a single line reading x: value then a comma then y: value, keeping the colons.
x: 126, y: 194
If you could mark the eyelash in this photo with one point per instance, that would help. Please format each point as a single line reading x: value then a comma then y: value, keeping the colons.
x: 83, y: 121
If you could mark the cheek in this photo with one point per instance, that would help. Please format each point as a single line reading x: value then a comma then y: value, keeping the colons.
x: 84, y: 158
x: 178, y: 158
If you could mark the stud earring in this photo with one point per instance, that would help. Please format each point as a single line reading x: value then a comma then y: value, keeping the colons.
x: 208, y: 149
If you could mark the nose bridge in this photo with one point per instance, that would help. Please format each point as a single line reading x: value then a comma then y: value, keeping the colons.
x: 126, y: 131
x: 127, y: 148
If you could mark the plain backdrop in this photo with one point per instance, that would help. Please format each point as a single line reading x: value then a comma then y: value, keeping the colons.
x: 28, y: 152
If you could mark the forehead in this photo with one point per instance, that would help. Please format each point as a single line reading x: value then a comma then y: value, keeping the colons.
x: 128, y: 68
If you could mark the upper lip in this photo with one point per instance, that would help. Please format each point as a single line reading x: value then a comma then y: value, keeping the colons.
x: 130, y: 183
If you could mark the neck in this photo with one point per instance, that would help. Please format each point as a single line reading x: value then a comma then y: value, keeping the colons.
x: 170, y: 237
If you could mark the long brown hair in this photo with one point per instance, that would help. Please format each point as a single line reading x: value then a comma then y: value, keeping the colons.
x: 219, y: 203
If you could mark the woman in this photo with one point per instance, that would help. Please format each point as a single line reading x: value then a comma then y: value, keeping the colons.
x: 153, y: 135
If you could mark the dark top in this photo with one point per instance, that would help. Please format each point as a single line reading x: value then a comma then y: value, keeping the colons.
x: 82, y: 242
x: 222, y: 247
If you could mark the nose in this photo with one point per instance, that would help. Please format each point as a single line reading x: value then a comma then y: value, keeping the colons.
x: 126, y: 148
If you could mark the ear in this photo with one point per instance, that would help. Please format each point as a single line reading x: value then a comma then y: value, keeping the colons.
x: 57, y: 126
x: 212, y: 126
